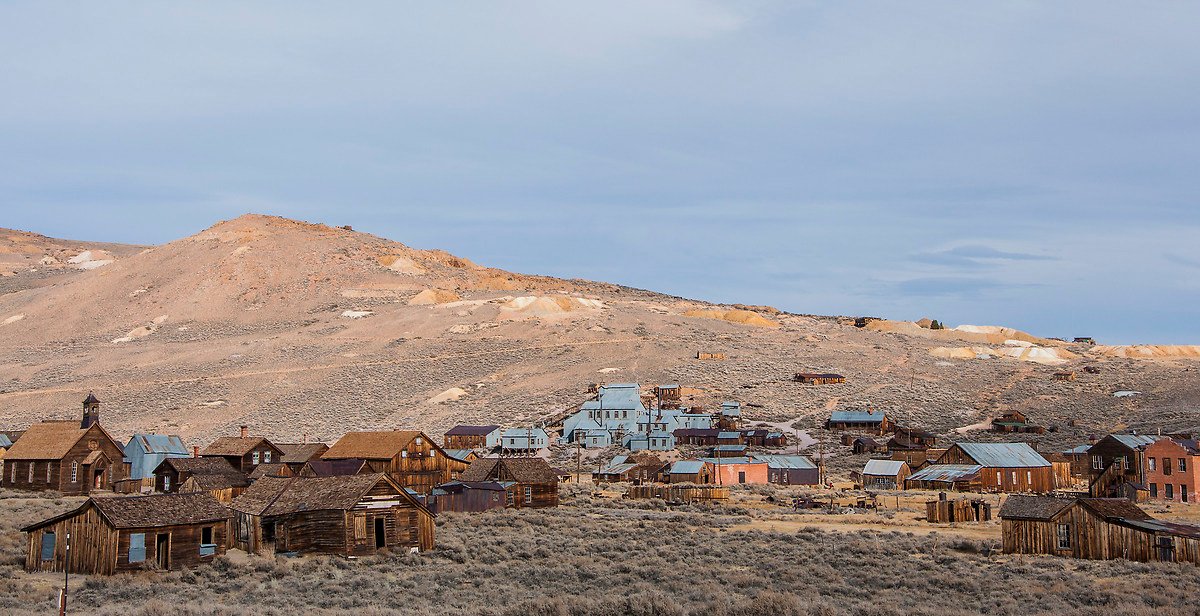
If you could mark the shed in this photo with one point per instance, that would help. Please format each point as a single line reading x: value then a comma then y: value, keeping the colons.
x: 884, y: 474
x: 472, y: 496
x: 472, y: 437
x: 690, y: 471
x: 537, y: 481
x: 696, y: 436
x: 818, y: 378
x: 112, y: 534
x: 172, y: 473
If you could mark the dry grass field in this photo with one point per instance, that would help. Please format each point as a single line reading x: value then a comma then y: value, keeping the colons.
x: 604, y: 556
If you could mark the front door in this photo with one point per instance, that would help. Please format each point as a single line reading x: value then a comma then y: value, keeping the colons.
x: 380, y: 533
x: 162, y: 551
x: 98, y: 478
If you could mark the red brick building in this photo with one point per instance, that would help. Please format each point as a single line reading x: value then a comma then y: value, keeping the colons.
x: 1171, y: 470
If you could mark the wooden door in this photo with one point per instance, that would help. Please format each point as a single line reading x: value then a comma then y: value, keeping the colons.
x: 162, y: 551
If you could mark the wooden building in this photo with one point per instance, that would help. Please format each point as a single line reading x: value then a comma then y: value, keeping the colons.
x: 689, y: 471
x: 1004, y: 467
x: 472, y: 437
x: 71, y: 457
x: 217, y: 474
x: 637, y: 468
x: 409, y: 457
x: 943, y: 511
x: 885, y: 474
x: 818, y: 378
x: 789, y: 470
x: 1015, y: 422
x: 243, y: 452
x: 296, y: 455
x: 701, y: 355
x: 1094, y: 528
x: 113, y: 534
x: 536, y: 480
x: 764, y: 437
x: 869, y: 421
x: 347, y: 515
x: 696, y: 436
x: 1064, y: 376
x: 460, y: 460
x: 669, y: 396
x: 473, y: 497
x: 144, y: 452
x: 864, y: 444
x: 1118, y: 466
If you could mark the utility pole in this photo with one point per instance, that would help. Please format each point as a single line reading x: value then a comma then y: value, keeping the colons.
x: 62, y: 611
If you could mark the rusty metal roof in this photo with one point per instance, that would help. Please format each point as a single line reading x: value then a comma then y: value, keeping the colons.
x: 1003, y: 455
x: 946, y: 472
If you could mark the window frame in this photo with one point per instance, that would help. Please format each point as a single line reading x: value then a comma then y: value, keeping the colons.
x: 1152, y: 462
x: 74, y: 471
x: 1062, y: 536
x: 130, y: 551
x: 255, y: 458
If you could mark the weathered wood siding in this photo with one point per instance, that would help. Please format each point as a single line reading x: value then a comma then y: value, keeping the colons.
x: 1091, y: 537
x: 93, y: 545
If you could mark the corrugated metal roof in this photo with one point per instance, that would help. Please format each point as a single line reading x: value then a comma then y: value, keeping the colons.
x: 1178, y: 529
x: 730, y: 448
x: 161, y: 443
x: 888, y: 468
x: 617, y: 469
x: 781, y: 461
x: 1004, y: 455
x: 461, y: 455
x: 4, y: 442
x: 1078, y: 450
x: 946, y: 472
x: 618, y: 396
x: 727, y: 461
x: 524, y: 432
x: 621, y: 459
x: 1133, y: 441
x: 856, y: 416
x: 687, y: 467
x: 729, y: 435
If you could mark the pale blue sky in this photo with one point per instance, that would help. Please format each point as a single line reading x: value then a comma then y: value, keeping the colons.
x: 1022, y: 163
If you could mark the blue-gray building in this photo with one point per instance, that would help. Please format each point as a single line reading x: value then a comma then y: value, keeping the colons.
x: 145, y: 452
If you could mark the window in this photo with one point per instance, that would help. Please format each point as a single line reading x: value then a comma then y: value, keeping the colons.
x: 1183, y: 465
x: 360, y: 527
x: 1154, y: 490
x: 999, y: 479
x: 166, y: 483
x: 1064, y: 536
x: 1097, y: 463
x: 528, y: 494
x: 418, y: 440
x: 30, y: 473
x: 254, y: 458
x: 48, y: 467
x: 1166, y: 466
x: 1029, y: 477
x: 512, y: 499
x: 137, y: 547
x: 1125, y: 462
x: 1170, y: 491
x: 207, y: 546
x: 13, y: 478
x: 1151, y: 462
x: 403, y: 453
x: 75, y: 472
x: 495, y: 497
x: 48, y: 540
x: 267, y: 457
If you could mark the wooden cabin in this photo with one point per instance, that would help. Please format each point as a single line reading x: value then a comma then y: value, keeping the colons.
x: 1015, y: 422
x: 637, y: 468
x: 71, y: 457
x: 701, y: 355
x: 790, y: 470
x: 1118, y: 466
x: 689, y: 471
x: 473, y: 497
x: 730, y: 416
x: 696, y: 436
x: 243, y: 452
x: 296, y: 455
x: 818, y: 378
x: 885, y: 474
x: 114, y: 534
x: 1064, y: 376
x: 347, y: 515
x: 865, y: 444
x: 869, y: 421
x: 728, y: 451
x: 537, y: 481
x: 217, y: 474
x: 409, y: 457
x: 763, y: 437
x: 1094, y: 528
x: 472, y: 437
x: 1004, y: 467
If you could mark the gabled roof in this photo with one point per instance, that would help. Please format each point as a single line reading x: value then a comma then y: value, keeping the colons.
x: 462, y: 455
x: 729, y: 434
x: 521, y: 470
x: 199, y: 466
x: 1114, y: 509
x: 463, y: 430
x: 218, y: 481
x: 51, y: 440
x: 149, y: 511
x: 857, y: 416
x: 785, y: 462
x: 687, y: 467
x: 1134, y: 441
x: 299, y: 453
x: 889, y: 468
x: 383, y: 445
x: 275, y: 496
x: 1003, y: 455
x: 1034, y: 507
x: 729, y: 448
x: 159, y: 443
x: 234, y: 446
x: 274, y: 469
x: 331, y: 468
x: 1082, y: 449
x: 946, y: 472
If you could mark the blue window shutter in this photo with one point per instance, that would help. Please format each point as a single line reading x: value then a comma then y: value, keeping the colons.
x: 48, y: 546
x: 137, y: 547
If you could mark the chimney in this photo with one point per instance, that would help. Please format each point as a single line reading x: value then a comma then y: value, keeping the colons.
x: 195, y: 451
x: 245, y: 431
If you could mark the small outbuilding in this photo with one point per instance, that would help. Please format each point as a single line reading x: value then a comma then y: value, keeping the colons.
x: 790, y: 470
x: 885, y: 474
x: 536, y: 480
x: 869, y: 421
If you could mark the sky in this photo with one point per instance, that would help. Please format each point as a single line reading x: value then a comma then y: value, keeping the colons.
x: 1029, y: 164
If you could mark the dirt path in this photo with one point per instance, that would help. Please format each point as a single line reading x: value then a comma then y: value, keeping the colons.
x: 847, y: 524
x: 277, y: 371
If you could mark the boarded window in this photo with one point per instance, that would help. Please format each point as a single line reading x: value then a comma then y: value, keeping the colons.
x: 360, y: 528
x: 1064, y: 536
x: 137, y: 547
x: 48, y: 546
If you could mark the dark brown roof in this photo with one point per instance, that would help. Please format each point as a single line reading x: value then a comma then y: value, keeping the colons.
x: 1114, y: 508
x: 330, y: 468
x: 1034, y: 507
x: 521, y: 470
x: 471, y: 430
x: 299, y: 453
x: 274, y: 469
x: 233, y: 446
x: 372, y: 445
x: 274, y: 496
x: 199, y: 466
x: 220, y: 481
x: 91, y: 399
x: 150, y: 511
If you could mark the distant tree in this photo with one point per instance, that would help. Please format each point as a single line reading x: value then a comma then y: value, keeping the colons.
x: 936, y: 325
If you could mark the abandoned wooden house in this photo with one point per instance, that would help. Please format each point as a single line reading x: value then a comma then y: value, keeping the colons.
x: 144, y: 452
x: 764, y: 437
x: 669, y: 396
x: 696, y: 436
x: 1118, y: 466
x: 113, y: 534
x: 701, y: 355
x: 472, y: 497
x: 1015, y: 422
x: 884, y: 474
x: 952, y: 477
x: 460, y: 460
x: 1094, y: 528
x: 729, y: 471
x: 71, y: 457
x: 1080, y: 462
x: 689, y: 471
x: 637, y: 468
x: 243, y: 452
x: 944, y: 511
x: 296, y: 455
x: 865, y: 444
x: 410, y: 458
x: 1004, y: 467
x: 536, y: 480
x: 214, y: 475
x: 1064, y: 376
x: 790, y: 470
x: 472, y: 437
x: 1172, y: 470
x: 818, y: 378
x: 345, y: 515
x: 869, y: 421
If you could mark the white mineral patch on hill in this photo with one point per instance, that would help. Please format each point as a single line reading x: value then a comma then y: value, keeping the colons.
x: 13, y: 319
x: 1149, y: 351
x: 540, y: 306
x: 432, y: 297
x: 1023, y: 352
x: 454, y: 393
x: 356, y: 314
x: 88, y: 260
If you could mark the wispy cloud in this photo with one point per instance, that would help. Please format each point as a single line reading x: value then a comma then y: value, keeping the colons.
x: 1179, y: 259
x: 976, y: 256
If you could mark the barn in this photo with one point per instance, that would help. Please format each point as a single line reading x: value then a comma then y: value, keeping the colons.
x: 345, y: 515
x: 112, y: 534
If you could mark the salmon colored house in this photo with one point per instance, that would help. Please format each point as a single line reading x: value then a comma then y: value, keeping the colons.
x: 1171, y: 470
x: 730, y: 471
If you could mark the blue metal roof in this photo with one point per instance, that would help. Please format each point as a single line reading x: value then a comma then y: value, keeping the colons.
x: 621, y: 459
x: 946, y: 472
x: 160, y: 443
x: 1079, y: 449
x: 888, y: 468
x: 781, y: 461
x: 729, y: 435
x: 737, y: 460
x: 523, y: 432
x: 687, y: 467
x: 1133, y: 441
x: 731, y: 408
x: 619, y: 396
x: 730, y: 448
x: 4, y: 442
x: 459, y: 454
x: 856, y: 416
x: 1003, y: 455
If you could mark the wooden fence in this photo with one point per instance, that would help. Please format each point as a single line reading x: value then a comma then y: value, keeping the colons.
x: 946, y: 511
x: 679, y: 494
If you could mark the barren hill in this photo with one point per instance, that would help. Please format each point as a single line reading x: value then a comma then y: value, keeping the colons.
x: 304, y: 329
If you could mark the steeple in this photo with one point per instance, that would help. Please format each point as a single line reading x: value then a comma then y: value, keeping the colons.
x: 91, y: 411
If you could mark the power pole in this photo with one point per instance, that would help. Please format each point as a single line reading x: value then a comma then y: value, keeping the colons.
x: 66, y: 576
